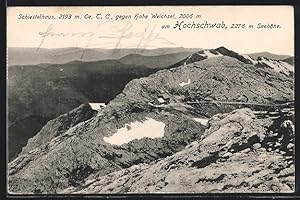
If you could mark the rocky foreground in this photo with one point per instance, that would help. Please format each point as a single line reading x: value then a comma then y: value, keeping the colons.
x: 237, y: 154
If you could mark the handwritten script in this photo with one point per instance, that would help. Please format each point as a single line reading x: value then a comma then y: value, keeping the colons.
x: 113, y: 34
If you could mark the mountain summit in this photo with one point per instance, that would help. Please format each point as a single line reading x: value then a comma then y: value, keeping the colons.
x: 278, y: 65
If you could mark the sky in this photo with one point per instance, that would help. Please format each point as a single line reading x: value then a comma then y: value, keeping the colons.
x: 153, y: 33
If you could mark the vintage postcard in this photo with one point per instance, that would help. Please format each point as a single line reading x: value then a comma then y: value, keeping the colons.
x: 150, y: 99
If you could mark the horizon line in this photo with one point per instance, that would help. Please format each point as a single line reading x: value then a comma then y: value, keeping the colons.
x: 263, y: 51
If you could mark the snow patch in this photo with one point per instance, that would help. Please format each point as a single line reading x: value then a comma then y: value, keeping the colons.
x: 202, y: 121
x: 161, y: 100
x: 150, y: 128
x: 97, y: 106
x: 247, y: 57
x: 278, y: 66
x: 184, y: 64
x: 208, y: 54
x: 185, y: 83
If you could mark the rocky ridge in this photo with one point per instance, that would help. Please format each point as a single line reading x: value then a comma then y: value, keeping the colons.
x: 233, y: 156
x: 58, y: 126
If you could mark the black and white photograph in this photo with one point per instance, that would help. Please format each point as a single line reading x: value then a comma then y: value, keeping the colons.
x: 150, y: 100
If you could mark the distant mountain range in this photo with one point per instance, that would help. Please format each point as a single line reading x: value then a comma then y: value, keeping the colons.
x: 269, y: 55
x: 290, y: 60
x: 71, y: 152
x: 160, y: 61
x: 32, y: 56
